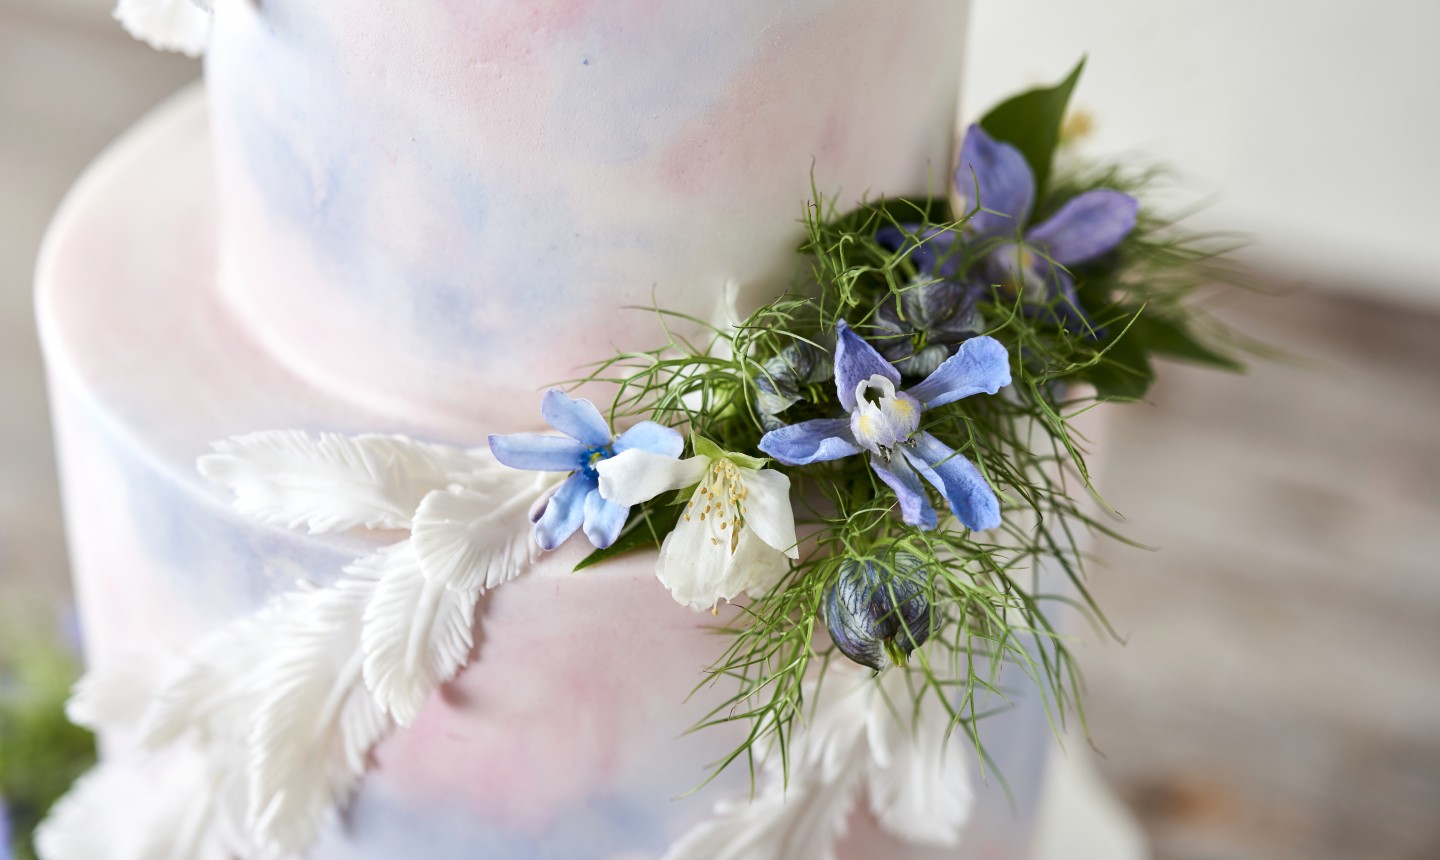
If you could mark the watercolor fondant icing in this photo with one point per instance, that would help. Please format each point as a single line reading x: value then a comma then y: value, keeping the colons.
x: 409, y: 218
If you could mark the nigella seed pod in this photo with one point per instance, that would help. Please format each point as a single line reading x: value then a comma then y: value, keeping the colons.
x: 878, y: 615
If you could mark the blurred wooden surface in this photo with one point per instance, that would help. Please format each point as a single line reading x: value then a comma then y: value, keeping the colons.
x: 1279, y: 696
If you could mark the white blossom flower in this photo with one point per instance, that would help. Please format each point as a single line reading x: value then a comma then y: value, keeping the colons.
x: 737, y: 531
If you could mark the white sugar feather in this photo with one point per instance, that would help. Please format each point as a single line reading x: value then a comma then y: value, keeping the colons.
x: 332, y: 482
x: 478, y: 537
x: 213, y: 695
x: 804, y: 819
x: 854, y: 743
x: 118, y: 689
x: 918, y: 782
x: 417, y: 633
x: 314, y: 723
x: 169, y: 25
x: 90, y: 820
x: 193, y: 811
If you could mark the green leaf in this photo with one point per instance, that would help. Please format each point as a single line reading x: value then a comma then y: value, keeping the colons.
x: 1124, y: 373
x: 1031, y: 123
x: 709, y: 450
x: 1172, y: 338
x: 644, y: 531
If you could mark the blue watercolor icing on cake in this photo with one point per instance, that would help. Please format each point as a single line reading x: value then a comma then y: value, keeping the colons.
x: 613, y: 825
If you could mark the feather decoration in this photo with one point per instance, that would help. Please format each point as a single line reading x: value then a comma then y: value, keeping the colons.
x: 805, y: 819
x: 417, y: 633
x: 163, y: 810
x: 168, y: 25
x: 314, y: 722
x: 92, y: 819
x: 118, y: 689
x: 918, y: 782
x: 331, y: 482
x: 477, y: 537
x: 918, y: 786
x: 213, y: 695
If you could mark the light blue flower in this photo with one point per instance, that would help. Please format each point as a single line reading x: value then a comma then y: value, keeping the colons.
x: 577, y: 502
x: 885, y: 423
x: 4, y: 831
x: 996, y: 185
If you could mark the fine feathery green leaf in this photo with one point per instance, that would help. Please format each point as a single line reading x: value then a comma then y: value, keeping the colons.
x: 646, y: 530
x: 1124, y: 372
x: 1031, y: 123
x: 1173, y: 339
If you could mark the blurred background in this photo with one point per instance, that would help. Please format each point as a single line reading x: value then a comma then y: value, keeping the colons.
x: 1278, y: 695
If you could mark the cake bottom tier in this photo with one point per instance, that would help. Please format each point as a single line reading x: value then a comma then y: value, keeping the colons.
x: 564, y: 739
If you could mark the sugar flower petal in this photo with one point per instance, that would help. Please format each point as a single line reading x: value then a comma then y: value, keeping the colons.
x: 971, y: 499
x: 690, y: 568
x: 564, y: 513
x: 811, y: 442
x: 855, y: 362
x: 754, y: 569
x: 1004, y: 181
x: 538, y: 452
x: 915, y: 507
x: 1087, y: 226
x: 578, y: 419
x: 767, y: 509
x: 981, y: 364
x: 636, y: 476
x: 652, y: 437
x: 603, y: 519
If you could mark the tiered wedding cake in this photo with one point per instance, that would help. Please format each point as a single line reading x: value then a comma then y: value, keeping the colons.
x: 409, y: 218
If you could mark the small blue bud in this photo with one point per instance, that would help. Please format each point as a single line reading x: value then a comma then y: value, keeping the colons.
x: 878, y: 615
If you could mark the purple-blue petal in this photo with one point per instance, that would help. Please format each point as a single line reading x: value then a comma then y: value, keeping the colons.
x: 603, y: 519
x: 810, y: 442
x: 971, y: 499
x: 652, y: 437
x: 1087, y: 226
x: 915, y: 507
x: 576, y: 418
x: 855, y: 362
x: 1004, y: 181
x: 928, y: 248
x: 565, y: 512
x: 981, y: 364
x: 1064, y: 309
x: 538, y: 452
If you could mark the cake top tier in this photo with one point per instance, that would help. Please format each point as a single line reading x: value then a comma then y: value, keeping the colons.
x: 438, y: 208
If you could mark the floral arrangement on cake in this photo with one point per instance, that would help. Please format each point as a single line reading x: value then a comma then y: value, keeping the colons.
x: 875, y: 471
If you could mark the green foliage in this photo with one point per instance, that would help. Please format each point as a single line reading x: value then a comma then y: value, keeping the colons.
x: 1031, y: 122
x: 996, y: 608
x: 646, y: 530
x: 41, y: 752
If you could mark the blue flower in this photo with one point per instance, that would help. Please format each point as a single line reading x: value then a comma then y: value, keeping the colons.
x: 877, y: 617
x: 995, y: 184
x: 577, y: 501
x: 886, y: 423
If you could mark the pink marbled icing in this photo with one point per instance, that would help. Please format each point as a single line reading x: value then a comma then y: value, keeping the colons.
x: 410, y: 198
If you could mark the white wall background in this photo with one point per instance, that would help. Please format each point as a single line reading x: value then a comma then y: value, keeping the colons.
x: 1315, y: 123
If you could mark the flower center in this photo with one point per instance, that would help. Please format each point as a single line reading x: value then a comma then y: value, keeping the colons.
x: 718, y: 505
x: 593, y: 456
x: 883, y: 417
x: 1023, y: 274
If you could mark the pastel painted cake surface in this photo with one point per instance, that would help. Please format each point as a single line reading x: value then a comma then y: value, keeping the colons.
x: 407, y: 220
x: 410, y: 196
